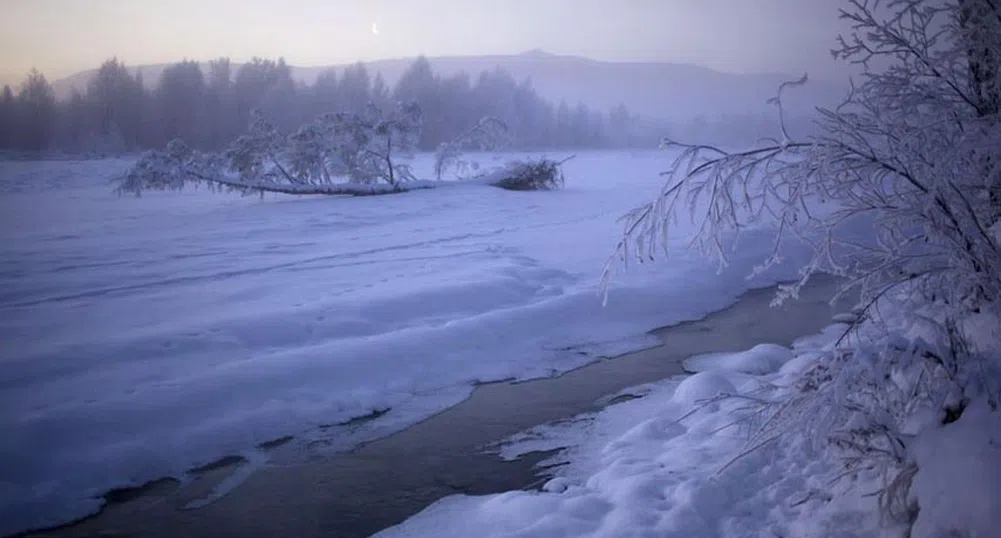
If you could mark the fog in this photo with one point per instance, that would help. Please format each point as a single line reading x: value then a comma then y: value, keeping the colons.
x: 256, y: 255
x: 584, y: 74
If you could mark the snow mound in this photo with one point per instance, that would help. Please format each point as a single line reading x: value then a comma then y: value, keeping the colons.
x: 799, y: 363
x: 761, y: 359
x: 655, y: 467
x: 845, y: 317
x: 701, y: 387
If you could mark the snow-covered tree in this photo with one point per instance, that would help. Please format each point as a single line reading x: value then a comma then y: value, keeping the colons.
x: 311, y: 154
x: 487, y: 134
x: 915, y: 147
x: 374, y: 146
x: 528, y: 175
x: 258, y: 155
x: 369, y: 149
x: 913, y: 157
x: 353, y: 153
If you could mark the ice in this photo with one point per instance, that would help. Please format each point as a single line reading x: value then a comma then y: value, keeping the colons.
x: 254, y: 460
x: 662, y: 466
x: 143, y: 337
x: 682, y: 460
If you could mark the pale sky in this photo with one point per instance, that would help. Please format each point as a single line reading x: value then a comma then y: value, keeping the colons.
x: 60, y: 37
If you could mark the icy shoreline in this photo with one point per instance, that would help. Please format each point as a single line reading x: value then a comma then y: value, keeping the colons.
x: 394, y: 477
x: 144, y: 338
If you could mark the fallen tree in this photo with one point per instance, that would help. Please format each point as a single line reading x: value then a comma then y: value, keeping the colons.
x: 346, y: 153
x: 179, y: 166
x: 343, y: 154
x: 529, y: 175
x: 488, y: 133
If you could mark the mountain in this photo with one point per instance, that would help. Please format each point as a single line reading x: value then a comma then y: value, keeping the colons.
x: 650, y: 89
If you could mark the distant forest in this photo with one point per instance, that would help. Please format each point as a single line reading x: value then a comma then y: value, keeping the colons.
x: 118, y: 112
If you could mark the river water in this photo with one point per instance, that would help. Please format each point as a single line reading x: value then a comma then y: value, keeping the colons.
x: 383, y: 482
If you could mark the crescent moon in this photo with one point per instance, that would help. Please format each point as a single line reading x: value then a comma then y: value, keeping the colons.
x: 375, y: 29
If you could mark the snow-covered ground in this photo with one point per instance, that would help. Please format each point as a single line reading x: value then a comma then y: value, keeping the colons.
x: 682, y: 461
x: 144, y: 337
x: 665, y: 464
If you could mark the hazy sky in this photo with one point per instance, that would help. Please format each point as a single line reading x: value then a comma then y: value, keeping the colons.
x: 60, y: 37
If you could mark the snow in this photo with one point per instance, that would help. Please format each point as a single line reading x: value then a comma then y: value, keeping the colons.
x: 685, y: 457
x: 145, y: 337
x: 702, y: 386
x: 665, y: 465
x: 761, y: 359
x: 958, y: 483
x: 995, y: 231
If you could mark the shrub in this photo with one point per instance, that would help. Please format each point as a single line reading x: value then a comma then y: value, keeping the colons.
x: 533, y: 175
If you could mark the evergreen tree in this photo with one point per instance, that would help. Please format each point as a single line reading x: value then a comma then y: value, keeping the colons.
x: 221, y: 120
x: 118, y: 100
x: 180, y: 98
x: 8, y: 118
x: 355, y: 88
x: 325, y: 94
x: 35, y: 113
x: 419, y: 84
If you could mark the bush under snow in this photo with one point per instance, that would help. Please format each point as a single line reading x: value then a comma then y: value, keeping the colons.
x: 688, y: 458
x: 528, y: 175
x: 913, y: 154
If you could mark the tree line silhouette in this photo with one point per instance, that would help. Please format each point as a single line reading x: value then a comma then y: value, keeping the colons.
x: 207, y: 107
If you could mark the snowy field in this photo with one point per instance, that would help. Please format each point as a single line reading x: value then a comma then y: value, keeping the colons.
x: 142, y: 337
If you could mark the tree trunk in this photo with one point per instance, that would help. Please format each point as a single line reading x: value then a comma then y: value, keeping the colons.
x: 301, y: 189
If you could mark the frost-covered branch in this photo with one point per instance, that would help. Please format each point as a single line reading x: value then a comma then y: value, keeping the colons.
x: 179, y: 166
x: 528, y: 175
x: 909, y: 150
x: 488, y: 133
x: 369, y: 150
x: 375, y: 147
x: 900, y: 193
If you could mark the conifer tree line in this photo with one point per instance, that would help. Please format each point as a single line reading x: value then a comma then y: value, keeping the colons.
x: 208, y: 107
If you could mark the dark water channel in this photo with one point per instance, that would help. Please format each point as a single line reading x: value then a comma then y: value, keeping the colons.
x: 383, y: 482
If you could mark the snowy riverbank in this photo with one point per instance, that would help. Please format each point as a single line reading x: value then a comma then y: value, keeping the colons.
x: 352, y: 495
x: 146, y: 337
x: 696, y: 456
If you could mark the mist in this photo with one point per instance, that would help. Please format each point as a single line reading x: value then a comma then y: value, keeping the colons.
x: 549, y: 101
x: 562, y: 74
x: 535, y: 268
